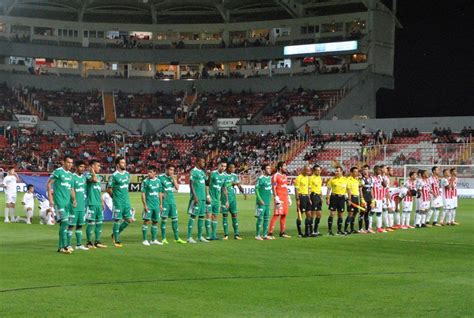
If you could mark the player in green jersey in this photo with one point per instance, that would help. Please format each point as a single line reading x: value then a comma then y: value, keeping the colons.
x: 169, y: 184
x: 119, y: 181
x: 263, y: 191
x: 152, y: 193
x: 217, y: 189
x: 78, y: 205
x: 94, y: 210
x: 59, y: 195
x: 231, y: 181
x: 199, y: 194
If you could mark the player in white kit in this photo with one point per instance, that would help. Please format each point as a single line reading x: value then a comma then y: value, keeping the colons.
x: 28, y: 203
x: 454, y: 185
x: 410, y: 184
x: 46, y: 213
x: 423, y: 199
x: 9, y: 186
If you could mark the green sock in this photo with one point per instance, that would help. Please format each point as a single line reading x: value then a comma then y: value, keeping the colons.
x: 200, y: 227
x: 154, y: 232
x: 174, y: 225
x: 98, y: 230
x: 266, y: 220
x: 89, y: 230
x: 68, y: 237
x: 116, y: 231
x: 144, y: 231
x: 225, y: 226
x: 123, y: 226
x: 62, y: 234
x: 214, y: 229
x: 208, y: 227
x: 78, y: 237
x: 190, y: 228
x: 259, y: 226
x: 235, y: 226
x: 163, y: 229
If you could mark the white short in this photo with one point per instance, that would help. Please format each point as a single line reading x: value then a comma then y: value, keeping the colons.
x: 448, y: 204
x: 378, y: 206
x: 10, y: 197
x: 422, y: 205
x: 407, y: 206
x: 455, y: 202
x: 26, y: 207
x: 436, y: 202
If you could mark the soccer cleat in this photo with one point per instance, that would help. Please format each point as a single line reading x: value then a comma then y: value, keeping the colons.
x: 118, y: 244
x: 410, y: 227
x: 203, y: 240
x: 455, y: 223
x: 361, y: 231
x: 164, y: 241
x: 41, y: 222
x: 436, y: 224
x: 64, y: 251
x: 28, y: 222
x: 389, y: 229
x: 90, y: 245
x: 191, y: 241
x: 70, y: 249
x: 82, y: 248
x: 417, y: 226
x: 441, y: 223
x: 258, y: 238
x: 226, y: 237
x: 427, y: 225
x: 331, y: 233
x: 380, y: 230
x: 100, y: 245
x: 7, y: 220
x: 146, y: 243
x: 237, y: 237
x: 284, y: 235
x: 156, y: 242
x: 269, y: 237
x: 423, y: 225
x: 340, y: 233
x: 180, y: 241
x: 404, y: 227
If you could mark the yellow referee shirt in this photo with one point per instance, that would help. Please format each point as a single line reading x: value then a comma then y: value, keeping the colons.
x: 353, y: 185
x: 338, y: 185
x: 315, y: 184
x: 302, y: 184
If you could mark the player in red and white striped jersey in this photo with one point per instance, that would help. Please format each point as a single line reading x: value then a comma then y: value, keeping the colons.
x: 378, y: 193
x: 436, y: 199
x: 397, y: 197
x: 454, y: 185
x: 388, y: 211
x: 410, y: 184
x: 447, y: 194
x: 423, y: 199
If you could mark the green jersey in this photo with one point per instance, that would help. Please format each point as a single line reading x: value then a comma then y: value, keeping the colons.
x: 263, y: 189
x: 216, y: 184
x: 93, y: 190
x: 168, y: 187
x: 230, y: 180
x: 62, y: 187
x: 80, y: 189
x: 198, y: 180
x: 152, y: 189
x: 119, y: 182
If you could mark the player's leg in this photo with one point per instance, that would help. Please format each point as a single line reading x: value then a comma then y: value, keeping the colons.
x: 80, y: 221
x: 275, y: 217
x: 127, y: 218
x: 378, y: 215
x: 90, y: 223
x: 62, y: 220
x: 225, y: 212
x: 259, y: 222
x: 308, y: 223
x: 203, y: 218
x: 164, y: 219
x: 208, y: 221
x: 146, y: 217
x: 7, y: 210
x: 99, y: 223
x: 174, y: 223
x: 216, y: 207
x: 117, y: 217
x: 193, y: 211
x: 71, y: 224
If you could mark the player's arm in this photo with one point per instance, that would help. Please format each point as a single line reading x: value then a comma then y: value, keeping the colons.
x: 226, y: 196
x: 349, y: 195
x: 196, y: 200
x: 18, y: 180
x: 49, y: 188
x: 175, y: 183
x: 241, y: 189
x: 92, y: 176
x: 297, y: 196
x: 257, y: 192
x: 143, y: 196
x: 208, y: 197
x: 274, y: 191
x: 328, y: 191
x: 73, y: 197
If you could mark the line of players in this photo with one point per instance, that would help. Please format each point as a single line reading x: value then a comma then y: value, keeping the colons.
x: 371, y: 196
x: 75, y: 200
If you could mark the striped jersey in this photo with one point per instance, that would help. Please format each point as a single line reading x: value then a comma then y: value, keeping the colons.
x: 423, y: 185
x: 454, y: 184
x: 378, y: 190
x: 446, y: 190
x: 434, y: 184
x: 410, y: 185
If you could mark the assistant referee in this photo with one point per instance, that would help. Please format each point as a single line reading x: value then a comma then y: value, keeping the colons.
x: 303, y: 202
x: 336, y: 199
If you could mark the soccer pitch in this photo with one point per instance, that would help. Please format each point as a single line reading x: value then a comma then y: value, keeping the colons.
x: 419, y: 272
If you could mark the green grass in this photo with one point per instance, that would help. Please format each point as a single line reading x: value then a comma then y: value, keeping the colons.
x: 427, y: 272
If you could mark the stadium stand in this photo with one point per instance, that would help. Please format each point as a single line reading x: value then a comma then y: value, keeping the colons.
x: 10, y: 104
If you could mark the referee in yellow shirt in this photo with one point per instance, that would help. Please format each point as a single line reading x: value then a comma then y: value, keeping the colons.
x: 315, y: 185
x: 336, y: 199
x: 353, y: 196
x: 303, y: 202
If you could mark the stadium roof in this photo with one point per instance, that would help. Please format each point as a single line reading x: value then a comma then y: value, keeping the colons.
x: 175, y: 11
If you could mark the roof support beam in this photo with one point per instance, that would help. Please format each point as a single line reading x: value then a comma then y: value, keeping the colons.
x: 9, y: 8
x: 224, y: 12
x: 295, y: 9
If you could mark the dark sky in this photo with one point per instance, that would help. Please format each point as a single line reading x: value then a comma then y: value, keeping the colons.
x: 433, y: 61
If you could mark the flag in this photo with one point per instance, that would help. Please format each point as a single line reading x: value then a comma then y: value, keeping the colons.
x: 40, y: 184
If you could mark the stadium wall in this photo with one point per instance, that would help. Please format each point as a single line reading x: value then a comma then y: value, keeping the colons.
x: 264, y: 84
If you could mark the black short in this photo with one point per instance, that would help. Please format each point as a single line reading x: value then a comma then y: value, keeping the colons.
x: 356, y: 200
x: 316, y: 202
x: 337, y: 202
x: 305, y: 205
